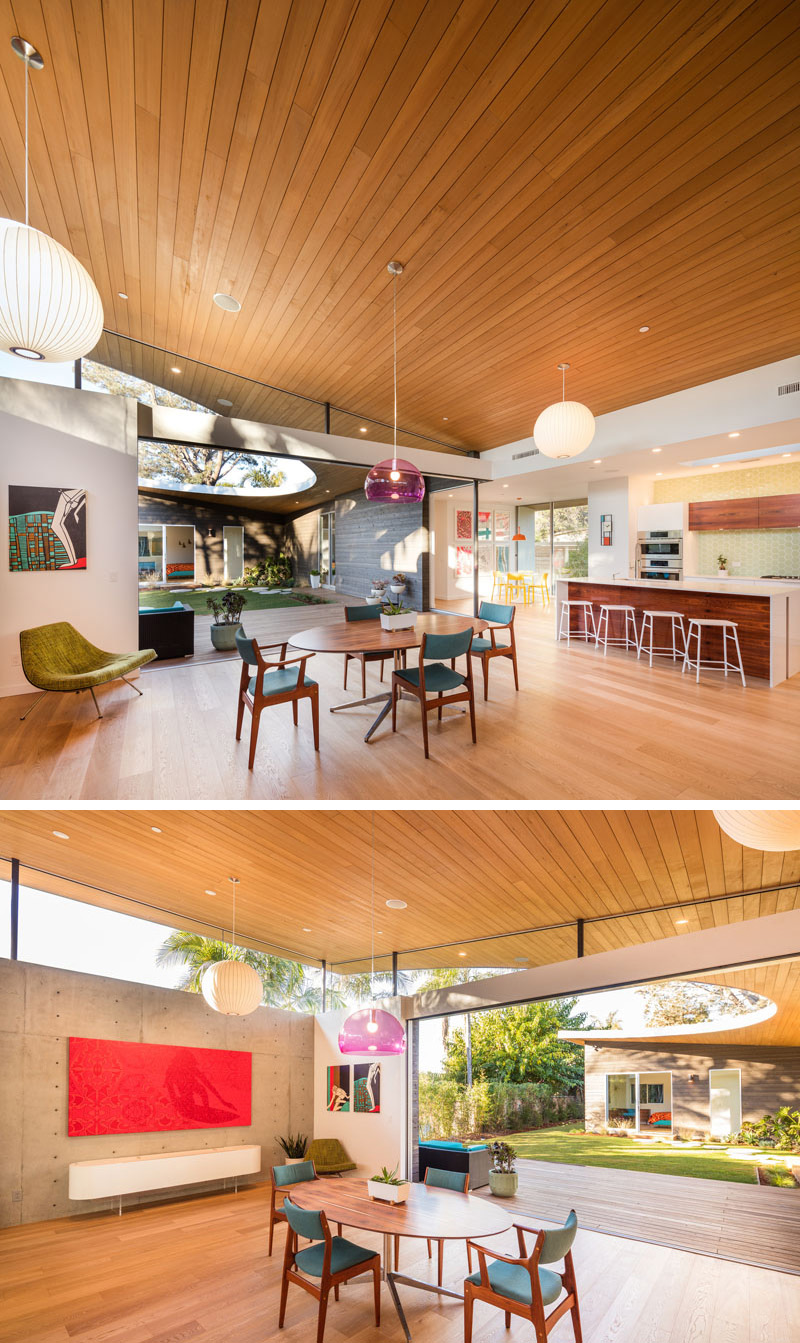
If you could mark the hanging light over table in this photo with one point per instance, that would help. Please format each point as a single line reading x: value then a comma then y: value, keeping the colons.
x: 233, y: 988
x: 50, y: 309
x: 566, y: 428
x: 372, y: 1030
x: 395, y: 479
x: 770, y: 831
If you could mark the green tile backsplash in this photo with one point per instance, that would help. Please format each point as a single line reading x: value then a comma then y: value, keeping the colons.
x: 759, y: 552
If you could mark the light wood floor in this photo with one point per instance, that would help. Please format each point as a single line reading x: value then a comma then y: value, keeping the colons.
x: 582, y: 727
x: 198, y: 1270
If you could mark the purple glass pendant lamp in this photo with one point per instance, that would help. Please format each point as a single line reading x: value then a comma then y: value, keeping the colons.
x: 395, y: 479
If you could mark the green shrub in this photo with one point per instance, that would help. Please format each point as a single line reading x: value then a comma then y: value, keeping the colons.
x: 272, y: 571
x: 781, y: 1131
x: 448, y: 1109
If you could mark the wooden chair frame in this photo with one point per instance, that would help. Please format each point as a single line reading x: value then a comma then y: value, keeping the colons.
x: 440, y: 1243
x: 486, y: 654
x: 328, y: 1280
x: 458, y: 696
x: 542, y: 1323
x: 276, y: 1214
x: 364, y: 658
x: 255, y: 703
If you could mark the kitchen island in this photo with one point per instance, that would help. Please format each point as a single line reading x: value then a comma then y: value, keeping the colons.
x: 767, y: 614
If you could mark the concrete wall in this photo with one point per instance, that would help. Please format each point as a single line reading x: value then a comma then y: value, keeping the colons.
x: 94, y: 446
x: 263, y: 532
x: 770, y: 1078
x: 41, y: 1007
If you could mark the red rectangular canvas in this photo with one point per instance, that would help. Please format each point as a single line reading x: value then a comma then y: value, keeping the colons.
x: 116, y: 1086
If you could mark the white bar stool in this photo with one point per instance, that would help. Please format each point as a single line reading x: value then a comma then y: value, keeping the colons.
x: 729, y: 630
x: 661, y: 650
x: 627, y: 640
x: 588, y: 617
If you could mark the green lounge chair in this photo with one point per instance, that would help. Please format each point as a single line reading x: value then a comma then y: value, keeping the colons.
x: 329, y: 1157
x: 57, y: 658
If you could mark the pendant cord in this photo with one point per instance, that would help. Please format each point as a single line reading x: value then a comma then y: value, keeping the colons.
x: 563, y: 384
x: 394, y: 332
x: 26, y: 144
x: 372, y: 971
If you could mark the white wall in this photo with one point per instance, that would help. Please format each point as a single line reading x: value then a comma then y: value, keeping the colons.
x: 371, y: 1140
x: 621, y: 496
x: 94, y: 446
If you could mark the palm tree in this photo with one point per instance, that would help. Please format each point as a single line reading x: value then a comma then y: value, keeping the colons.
x: 285, y: 982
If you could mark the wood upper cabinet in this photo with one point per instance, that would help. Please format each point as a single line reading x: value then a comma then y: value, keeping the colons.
x: 724, y: 515
x: 732, y: 515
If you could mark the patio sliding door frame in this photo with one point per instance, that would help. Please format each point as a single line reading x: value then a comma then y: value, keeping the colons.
x: 637, y: 1076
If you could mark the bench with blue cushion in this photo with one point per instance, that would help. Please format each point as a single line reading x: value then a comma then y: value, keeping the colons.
x: 472, y: 1158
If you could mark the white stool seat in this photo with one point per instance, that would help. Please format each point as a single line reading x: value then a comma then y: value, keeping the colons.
x: 729, y: 630
x: 629, y: 639
x: 588, y: 619
x: 661, y: 650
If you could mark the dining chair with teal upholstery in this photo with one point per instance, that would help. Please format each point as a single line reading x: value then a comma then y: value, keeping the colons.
x: 298, y: 1172
x: 373, y: 612
x: 331, y: 1259
x: 437, y: 685
x: 447, y: 1179
x: 486, y: 649
x: 276, y: 681
x: 522, y: 1286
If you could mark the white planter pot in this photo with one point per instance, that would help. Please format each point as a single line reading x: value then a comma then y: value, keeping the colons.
x: 723, y: 573
x: 380, y: 593
x: 314, y: 579
x: 407, y: 621
x: 397, y: 590
x: 293, y: 1160
x: 372, y: 601
x: 388, y: 1193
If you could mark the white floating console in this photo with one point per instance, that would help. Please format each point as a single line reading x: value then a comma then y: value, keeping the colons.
x: 161, y: 1170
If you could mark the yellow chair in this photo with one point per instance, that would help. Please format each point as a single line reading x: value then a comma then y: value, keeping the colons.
x: 540, y: 583
x: 516, y: 589
x: 499, y: 584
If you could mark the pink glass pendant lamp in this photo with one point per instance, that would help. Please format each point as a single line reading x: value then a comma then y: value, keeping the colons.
x: 372, y: 1030
x: 395, y: 480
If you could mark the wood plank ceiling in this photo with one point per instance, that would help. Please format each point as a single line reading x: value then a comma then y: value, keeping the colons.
x: 306, y: 876
x: 554, y: 175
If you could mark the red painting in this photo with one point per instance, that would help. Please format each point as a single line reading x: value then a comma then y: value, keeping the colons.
x: 121, y: 1087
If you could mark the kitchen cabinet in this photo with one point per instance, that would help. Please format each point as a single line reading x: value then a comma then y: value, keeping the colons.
x: 779, y: 510
x: 737, y: 515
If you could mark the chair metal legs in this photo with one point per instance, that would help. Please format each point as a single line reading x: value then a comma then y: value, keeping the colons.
x: 94, y: 697
x: 33, y: 706
x: 132, y: 686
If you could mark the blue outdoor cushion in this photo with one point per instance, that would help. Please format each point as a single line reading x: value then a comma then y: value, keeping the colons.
x: 279, y: 682
x: 515, y: 1282
x: 481, y: 645
x: 438, y: 677
x: 455, y: 1146
x: 344, y: 1254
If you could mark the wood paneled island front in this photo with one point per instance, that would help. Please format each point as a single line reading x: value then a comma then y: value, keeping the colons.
x: 767, y: 615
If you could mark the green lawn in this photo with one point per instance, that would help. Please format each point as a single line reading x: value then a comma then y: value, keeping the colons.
x: 704, y: 1161
x: 256, y: 601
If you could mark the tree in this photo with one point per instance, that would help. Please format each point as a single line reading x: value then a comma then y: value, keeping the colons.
x: 184, y: 464
x: 521, y: 1044
x: 612, y: 1022
x: 682, y: 1002
x: 445, y: 978
x: 285, y: 982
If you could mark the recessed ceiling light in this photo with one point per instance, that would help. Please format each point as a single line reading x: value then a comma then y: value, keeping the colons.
x: 445, y: 417
x: 155, y: 829
x: 656, y: 449
x: 120, y: 294
x: 715, y: 466
x: 449, y: 496
x: 228, y: 302
x: 505, y: 487
x: 306, y: 930
x: 736, y: 434
x: 363, y: 429
x: 597, y: 461
x: 327, y: 491
x: 521, y: 960
x: 786, y: 454
x: 210, y: 893
x: 659, y: 473
x: 174, y: 369
x: 59, y: 834
x: 462, y: 953
x: 643, y: 329
x: 223, y: 401
x: 681, y: 920
x: 396, y: 904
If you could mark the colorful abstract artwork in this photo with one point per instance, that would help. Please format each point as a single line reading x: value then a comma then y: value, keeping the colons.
x: 463, y: 524
x: 484, y: 526
x: 339, y: 1087
x: 46, y: 527
x: 605, y: 529
x: 463, y: 561
x: 502, y: 526
x: 117, y: 1086
x: 367, y: 1088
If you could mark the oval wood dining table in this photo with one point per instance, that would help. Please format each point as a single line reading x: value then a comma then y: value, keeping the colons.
x: 367, y: 636
x: 429, y: 1214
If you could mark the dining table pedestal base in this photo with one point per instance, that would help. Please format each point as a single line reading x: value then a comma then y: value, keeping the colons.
x: 392, y: 1279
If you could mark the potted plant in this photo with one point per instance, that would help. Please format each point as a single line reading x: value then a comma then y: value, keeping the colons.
x: 314, y: 576
x: 378, y: 587
x: 503, y: 1178
x: 388, y: 1187
x: 722, y: 561
x: 398, y: 584
x: 294, y: 1147
x: 395, y: 616
x: 227, y: 612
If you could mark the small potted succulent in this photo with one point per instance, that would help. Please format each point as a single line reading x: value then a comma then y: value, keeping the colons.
x: 388, y: 1187
x: 395, y: 616
x: 722, y: 561
x: 503, y: 1178
x: 294, y: 1147
x: 398, y: 584
x: 227, y: 613
x: 314, y: 576
x: 379, y: 588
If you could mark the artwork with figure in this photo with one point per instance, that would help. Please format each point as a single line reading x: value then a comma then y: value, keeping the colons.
x: 46, y: 527
x: 339, y: 1087
x: 367, y: 1087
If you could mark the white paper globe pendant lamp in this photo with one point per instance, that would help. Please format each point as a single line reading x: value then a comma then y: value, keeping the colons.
x: 769, y: 831
x: 50, y: 309
x: 232, y: 987
x: 566, y: 428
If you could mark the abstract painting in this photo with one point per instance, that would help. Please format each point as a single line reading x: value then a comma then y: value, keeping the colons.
x: 46, y: 527
x: 605, y: 529
x: 117, y: 1086
x: 463, y: 561
x: 339, y: 1087
x: 367, y: 1088
x: 463, y: 524
x: 484, y: 526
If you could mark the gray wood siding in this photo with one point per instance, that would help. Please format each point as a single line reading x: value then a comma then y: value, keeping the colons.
x: 770, y: 1078
x: 263, y: 532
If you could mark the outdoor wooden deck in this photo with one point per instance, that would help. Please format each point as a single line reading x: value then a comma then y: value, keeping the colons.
x: 748, y: 1223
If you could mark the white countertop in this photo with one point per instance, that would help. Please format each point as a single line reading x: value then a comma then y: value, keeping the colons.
x: 757, y: 587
